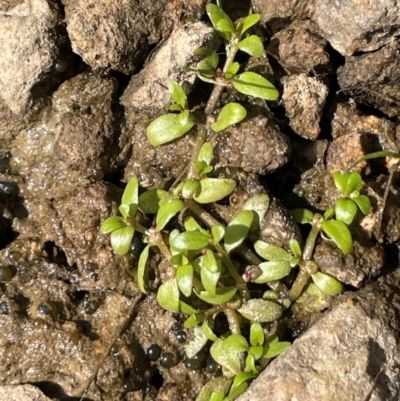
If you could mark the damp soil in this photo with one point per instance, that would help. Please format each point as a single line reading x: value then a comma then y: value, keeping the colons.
x: 73, y: 320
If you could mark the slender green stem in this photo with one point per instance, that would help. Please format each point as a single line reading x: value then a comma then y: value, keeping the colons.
x: 303, y: 275
x: 217, y: 90
x: 201, y: 138
x: 233, y: 320
x: 158, y: 241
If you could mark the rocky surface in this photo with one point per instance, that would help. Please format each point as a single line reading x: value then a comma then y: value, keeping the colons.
x: 357, y: 26
x: 25, y: 392
x: 77, y: 94
x: 31, y: 38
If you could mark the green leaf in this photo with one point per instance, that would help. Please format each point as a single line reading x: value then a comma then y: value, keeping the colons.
x: 168, y: 127
x: 363, y: 203
x: 210, y: 263
x: 256, y: 334
x: 190, y: 241
x: 175, y: 107
x: 271, y: 350
x: 253, y: 84
x: 257, y: 351
x: 191, y: 224
x: 347, y: 183
x: 111, y: 224
x: 184, y: 278
x: 206, y: 153
x: 302, y: 216
x: 128, y: 210
x: 205, y: 69
x: 177, y: 93
x: 168, y: 209
x: 295, y: 247
x: 168, y: 296
x: 190, y: 188
x: 231, y: 114
x: 251, y: 363
x: 208, y: 332
x: 196, y: 343
x: 121, y: 239
x: 345, y: 210
x: 222, y: 295
x: 185, y: 308
x: 143, y: 271
x: 214, y: 189
x: 327, y: 284
x: 235, y: 343
x: 229, y: 360
x: 217, y: 395
x: 252, y: 45
x: 260, y: 310
x: 339, y: 233
x: 208, y: 65
x: 191, y: 321
x: 221, y: 22
x: 259, y: 204
x: 232, y: 70
x: 218, y: 233
x: 237, y: 230
x: 149, y: 200
x: 243, y: 377
x: 209, y: 280
x: 131, y: 192
x: 270, y: 252
x: 273, y: 271
x: 220, y: 383
x: 248, y: 22
x: 236, y: 391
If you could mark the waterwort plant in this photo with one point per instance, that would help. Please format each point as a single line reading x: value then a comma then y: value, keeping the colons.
x: 212, y: 266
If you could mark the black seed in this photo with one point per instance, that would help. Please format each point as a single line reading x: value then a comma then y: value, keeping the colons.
x: 94, y: 276
x: 136, y: 245
x: 114, y: 351
x: 4, y: 309
x: 97, y: 174
x: 192, y: 364
x: 6, y: 273
x: 128, y: 385
x: 9, y: 188
x: 60, y: 65
x: 90, y: 306
x: 212, y: 366
x: 168, y: 360
x: 44, y: 309
x: 153, y: 352
x: 181, y: 336
x: 218, y: 372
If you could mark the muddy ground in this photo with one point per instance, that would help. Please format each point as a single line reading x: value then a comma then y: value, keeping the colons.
x: 80, y: 81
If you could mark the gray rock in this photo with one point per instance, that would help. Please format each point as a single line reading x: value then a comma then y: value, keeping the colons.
x: 25, y: 392
x: 358, y: 25
x: 300, y: 48
x: 278, y: 14
x: 374, y: 78
x: 304, y: 98
x: 147, y: 91
x: 113, y: 34
x: 350, y: 354
x: 29, y: 46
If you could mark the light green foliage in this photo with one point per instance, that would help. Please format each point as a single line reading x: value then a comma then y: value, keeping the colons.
x: 210, y: 262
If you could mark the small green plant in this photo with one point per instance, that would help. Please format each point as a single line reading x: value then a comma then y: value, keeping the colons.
x: 211, y: 263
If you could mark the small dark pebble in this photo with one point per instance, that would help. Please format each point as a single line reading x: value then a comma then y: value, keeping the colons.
x: 168, y: 360
x: 153, y: 352
x: 128, y: 385
x: 94, y: 276
x: 181, y: 336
